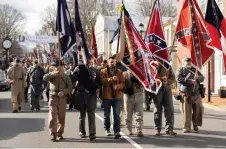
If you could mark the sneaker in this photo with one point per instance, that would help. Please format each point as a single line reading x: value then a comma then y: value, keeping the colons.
x: 107, y: 133
x: 140, y: 134
x: 19, y: 108
x: 92, y: 137
x: 117, y: 135
x: 82, y: 135
x: 15, y: 111
x: 53, y: 139
x: 171, y: 133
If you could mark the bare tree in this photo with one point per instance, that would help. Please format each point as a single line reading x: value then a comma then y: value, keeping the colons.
x: 11, y: 21
x: 166, y: 7
x: 89, y: 9
x: 48, y: 18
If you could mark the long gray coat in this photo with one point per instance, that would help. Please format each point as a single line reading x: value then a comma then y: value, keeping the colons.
x: 35, y: 79
x: 85, y: 94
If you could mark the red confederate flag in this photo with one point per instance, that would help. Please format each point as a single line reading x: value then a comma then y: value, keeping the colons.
x: 155, y: 39
x: 192, y: 33
x: 136, y: 56
x: 93, y: 44
x: 216, y: 24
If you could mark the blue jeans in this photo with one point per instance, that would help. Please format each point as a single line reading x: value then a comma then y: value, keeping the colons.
x: 115, y: 104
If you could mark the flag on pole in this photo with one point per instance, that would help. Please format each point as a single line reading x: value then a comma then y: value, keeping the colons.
x: 191, y: 32
x: 93, y: 44
x: 216, y: 24
x: 81, y: 44
x: 64, y: 26
x: 137, y: 58
x: 155, y: 39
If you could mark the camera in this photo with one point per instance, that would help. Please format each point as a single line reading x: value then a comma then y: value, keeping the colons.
x: 178, y: 97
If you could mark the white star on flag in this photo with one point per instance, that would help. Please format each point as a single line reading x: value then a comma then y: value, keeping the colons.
x: 158, y: 42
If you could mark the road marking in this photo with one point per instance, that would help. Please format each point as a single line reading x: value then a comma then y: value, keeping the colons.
x: 123, y: 135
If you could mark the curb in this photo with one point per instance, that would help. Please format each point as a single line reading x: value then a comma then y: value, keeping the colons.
x: 206, y: 105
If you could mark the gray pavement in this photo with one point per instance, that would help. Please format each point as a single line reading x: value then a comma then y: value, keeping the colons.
x: 29, y: 129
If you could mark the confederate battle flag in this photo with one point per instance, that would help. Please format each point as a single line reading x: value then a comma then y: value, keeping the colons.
x: 216, y: 24
x: 155, y: 39
x: 136, y: 57
x: 192, y: 33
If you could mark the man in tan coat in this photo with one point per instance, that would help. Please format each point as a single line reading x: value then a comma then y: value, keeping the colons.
x: 60, y: 85
x: 16, y: 77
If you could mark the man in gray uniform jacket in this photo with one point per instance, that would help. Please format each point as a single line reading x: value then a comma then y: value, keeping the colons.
x: 189, y: 80
x: 35, y: 79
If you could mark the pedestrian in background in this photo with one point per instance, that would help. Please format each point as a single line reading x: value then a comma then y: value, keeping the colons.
x: 35, y: 79
x: 16, y: 77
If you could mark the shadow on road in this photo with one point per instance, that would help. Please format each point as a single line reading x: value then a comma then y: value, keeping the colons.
x: 191, y: 141
x: 98, y: 140
x: 11, y: 127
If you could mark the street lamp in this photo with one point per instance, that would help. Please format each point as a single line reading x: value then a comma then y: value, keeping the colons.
x: 141, y: 28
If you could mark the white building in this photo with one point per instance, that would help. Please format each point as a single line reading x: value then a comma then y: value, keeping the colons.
x: 106, y: 26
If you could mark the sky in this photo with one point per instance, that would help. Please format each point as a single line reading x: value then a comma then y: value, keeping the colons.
x: 32, y: 9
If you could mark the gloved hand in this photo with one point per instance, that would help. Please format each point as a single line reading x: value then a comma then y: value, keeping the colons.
x: 61, y: 94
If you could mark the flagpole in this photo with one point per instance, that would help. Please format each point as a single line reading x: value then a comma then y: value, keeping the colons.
x: 150, y: 18
x: 209, y: 91
x: 120, y: 28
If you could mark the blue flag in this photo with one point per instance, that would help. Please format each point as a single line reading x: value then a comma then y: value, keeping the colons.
x: 117, y: 31
x: 65, y: 27
x: 81, y: 44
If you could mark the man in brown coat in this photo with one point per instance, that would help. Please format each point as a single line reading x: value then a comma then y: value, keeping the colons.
x: 16, y: 77
x: 113, y: 82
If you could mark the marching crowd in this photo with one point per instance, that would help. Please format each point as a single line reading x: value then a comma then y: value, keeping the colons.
x: 117, y: 88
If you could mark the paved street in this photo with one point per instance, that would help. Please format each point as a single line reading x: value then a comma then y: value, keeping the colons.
x: 30, y: 129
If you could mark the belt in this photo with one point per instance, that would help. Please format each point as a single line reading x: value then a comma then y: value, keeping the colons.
x: 18, y: 79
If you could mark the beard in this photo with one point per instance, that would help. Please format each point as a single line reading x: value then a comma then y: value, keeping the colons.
x: 188, y: 66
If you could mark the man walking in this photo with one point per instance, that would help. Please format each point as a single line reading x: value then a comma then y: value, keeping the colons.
x: 16, y: 77
x: 164, y: 99
x: 189, y: 79
x: 35, y: 79
x: 60, y: 86
x: 133, y: 103
x: 85, y: 78
x: 113, y: 83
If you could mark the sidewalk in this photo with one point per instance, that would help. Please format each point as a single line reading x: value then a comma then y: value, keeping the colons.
x: 216, y: 102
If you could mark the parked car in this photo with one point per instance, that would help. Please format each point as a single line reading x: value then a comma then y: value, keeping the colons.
x: 4, y: 85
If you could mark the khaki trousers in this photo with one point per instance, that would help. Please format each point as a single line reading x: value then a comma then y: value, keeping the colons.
x: 17, y: 101
x: 134, y: 105
x: 191, y: 110
x: 57, y: 114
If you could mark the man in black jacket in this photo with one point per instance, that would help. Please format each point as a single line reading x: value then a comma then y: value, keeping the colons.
x: 85, y: 78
